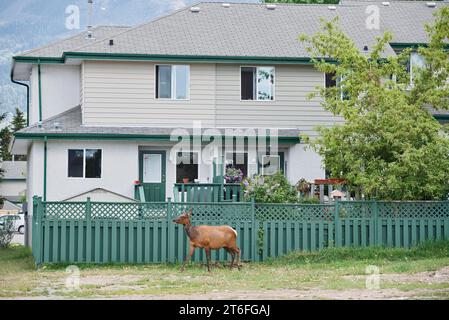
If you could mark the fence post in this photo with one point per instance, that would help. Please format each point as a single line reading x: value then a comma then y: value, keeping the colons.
x: 337, y: 224
x: 88, y: 209
x: 254, y: 231
x: 170, y: 233
x: 377, y: 224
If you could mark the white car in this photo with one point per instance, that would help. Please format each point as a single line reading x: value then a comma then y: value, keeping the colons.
x: 19, y: 222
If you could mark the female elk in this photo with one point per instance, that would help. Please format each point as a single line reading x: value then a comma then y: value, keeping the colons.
x: 209, y: 237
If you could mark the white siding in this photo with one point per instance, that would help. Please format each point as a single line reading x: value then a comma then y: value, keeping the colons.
x: 12, y: 188
x: 303, y: 162
x: 123, y: 93
x: 119, y: 169
x: 60, y: 86
x: 290, y: 109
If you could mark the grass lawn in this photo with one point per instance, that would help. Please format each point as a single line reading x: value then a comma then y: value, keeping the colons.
x: 418, y: 273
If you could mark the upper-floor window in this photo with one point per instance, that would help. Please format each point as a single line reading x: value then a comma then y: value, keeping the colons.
x: 172, y: 82
x: 416, y: 62
x: 257, y: 83
x: 331, y: 81
x: 84, y: 163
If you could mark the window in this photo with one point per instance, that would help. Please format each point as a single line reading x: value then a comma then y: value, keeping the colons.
x: 172, y: 82
x: 416, y: 62
x: 84, y: 163
x: 270, y: 165
x: 187, y: 167
x: 332, y: 81
x: 238, y: 160
x: 257, y: 83
x: 76, y: 163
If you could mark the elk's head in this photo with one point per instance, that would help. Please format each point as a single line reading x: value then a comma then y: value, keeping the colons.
x: 184, y: 218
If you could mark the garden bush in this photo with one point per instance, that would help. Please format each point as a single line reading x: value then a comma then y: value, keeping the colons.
x: 270, y: 189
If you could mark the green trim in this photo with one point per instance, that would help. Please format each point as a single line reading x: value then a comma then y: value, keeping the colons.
x: 13, y: 179
x: 441, y: 116
x: 411, y: 45
x: 105, y: 136
x: 160, y: 57
x: 42, y: 60
x: 45, y: 168
x: 191, y: 58
x: 40, y: 89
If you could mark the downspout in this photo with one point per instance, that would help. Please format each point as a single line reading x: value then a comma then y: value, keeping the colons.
x: 28, y: 96
x: 40, y: 88
x: 45, y: 169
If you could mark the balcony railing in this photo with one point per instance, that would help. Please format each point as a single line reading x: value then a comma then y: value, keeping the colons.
x: 207, y: 192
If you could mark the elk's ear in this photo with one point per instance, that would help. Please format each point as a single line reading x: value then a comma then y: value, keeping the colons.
x: 189, y: 213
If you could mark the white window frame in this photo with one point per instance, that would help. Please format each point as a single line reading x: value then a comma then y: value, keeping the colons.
x: 273, y: 156
x: 256, y: 98
x: 84, y: 163
x: 173, y: 83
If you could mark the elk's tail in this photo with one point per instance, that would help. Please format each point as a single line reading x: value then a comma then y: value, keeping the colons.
x: 233, y: 231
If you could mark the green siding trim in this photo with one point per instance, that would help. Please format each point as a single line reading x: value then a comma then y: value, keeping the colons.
x: 441, y: 116
x: 42, y: 60
x: 411, y: 45
x: 45, y: 168
x: 13, y: 179
x: 191, y: 58
x: 40, y: 90
x: 104, y: 136
x: 159, y: 57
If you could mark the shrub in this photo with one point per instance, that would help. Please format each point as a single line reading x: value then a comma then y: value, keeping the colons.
x: 7, y: 229
x: 270, y: 189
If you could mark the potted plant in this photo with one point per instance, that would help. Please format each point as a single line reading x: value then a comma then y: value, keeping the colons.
x: 185, y: 180
x: 233, y: 175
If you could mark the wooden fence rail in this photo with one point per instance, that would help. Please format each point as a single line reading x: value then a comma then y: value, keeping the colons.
x: 94, y: 232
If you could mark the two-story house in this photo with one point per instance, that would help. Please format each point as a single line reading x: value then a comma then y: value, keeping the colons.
x: 109, y: 107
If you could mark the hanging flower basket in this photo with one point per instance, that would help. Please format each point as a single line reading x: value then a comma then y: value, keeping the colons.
x: 233, y: 175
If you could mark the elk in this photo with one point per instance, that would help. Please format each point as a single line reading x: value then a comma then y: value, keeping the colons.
x: 209, y: 238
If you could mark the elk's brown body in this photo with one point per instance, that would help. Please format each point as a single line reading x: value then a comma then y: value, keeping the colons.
x: 209, y: 238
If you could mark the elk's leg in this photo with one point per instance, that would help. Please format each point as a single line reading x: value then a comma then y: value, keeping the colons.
x: 192, y: 248
x: 237, y: 252
x: 232, y: 253
x: 207, y: 258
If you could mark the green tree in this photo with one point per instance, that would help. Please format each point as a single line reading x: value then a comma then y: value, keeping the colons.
x: 5, y: 139
x: 389, y: 146
x: 18, y: 121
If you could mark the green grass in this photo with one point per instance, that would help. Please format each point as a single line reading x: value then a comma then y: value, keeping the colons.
x: 340, y: 269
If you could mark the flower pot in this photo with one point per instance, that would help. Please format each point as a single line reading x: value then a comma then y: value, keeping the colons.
x: 185, y: 180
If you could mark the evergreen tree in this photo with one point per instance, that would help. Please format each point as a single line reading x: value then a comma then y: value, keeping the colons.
x: 18, y: 121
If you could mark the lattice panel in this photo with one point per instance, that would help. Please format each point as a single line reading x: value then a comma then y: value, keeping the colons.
x: 64, y: 210
x: 356, y: 209
x: 128, y: 211
x: 216, y: 212
x: 295, y: 212
x: 419, y: 210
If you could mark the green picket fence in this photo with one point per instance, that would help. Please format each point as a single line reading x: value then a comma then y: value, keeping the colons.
x: 94, y: 232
